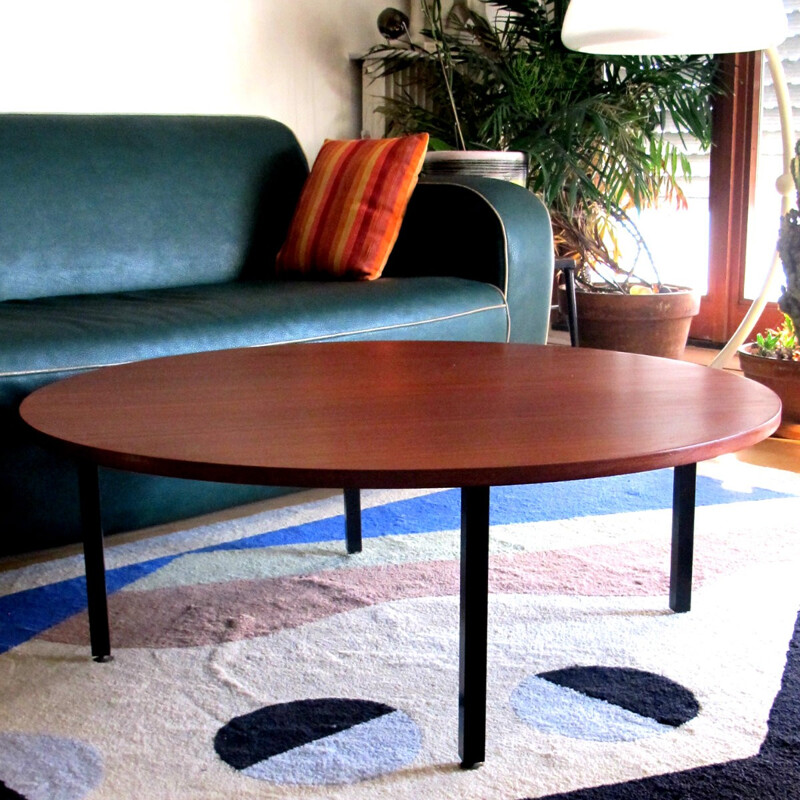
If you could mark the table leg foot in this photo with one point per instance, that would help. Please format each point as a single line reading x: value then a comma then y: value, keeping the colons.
x: 473, y: 628
x: 352, y: 520
x: 683, y: 506
x: 92, y: 528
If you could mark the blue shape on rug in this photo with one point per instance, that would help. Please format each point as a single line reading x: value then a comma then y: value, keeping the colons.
x: 44, y: 767
x: 321, y: 741
x: 603, y: 704
x: 510, y: 504
x: 560, y: 711
x: 772, y: 774
x: 25, y: 614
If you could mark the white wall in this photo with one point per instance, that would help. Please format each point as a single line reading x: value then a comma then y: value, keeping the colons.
x: 286, y: 59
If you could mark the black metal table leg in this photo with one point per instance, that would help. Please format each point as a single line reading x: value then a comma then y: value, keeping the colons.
x: 92, y: 528
x: 683, y: 505
x: 352, y: 519
x: 474, y: 608
x: 572, y: 304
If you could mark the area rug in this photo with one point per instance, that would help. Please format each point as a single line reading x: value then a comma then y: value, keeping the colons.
x: 255, y: 659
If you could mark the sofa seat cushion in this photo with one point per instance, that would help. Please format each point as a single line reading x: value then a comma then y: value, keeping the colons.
x: 49, y: 338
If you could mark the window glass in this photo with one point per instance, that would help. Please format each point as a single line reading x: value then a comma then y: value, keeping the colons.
x: 764, y: 214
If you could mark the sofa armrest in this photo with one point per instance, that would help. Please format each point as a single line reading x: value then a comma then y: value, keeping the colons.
x: 485, y: 230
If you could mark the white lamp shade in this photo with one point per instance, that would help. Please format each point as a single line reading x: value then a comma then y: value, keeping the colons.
x: 674, y: 27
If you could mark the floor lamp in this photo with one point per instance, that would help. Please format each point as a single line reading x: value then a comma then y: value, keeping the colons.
x: 684, y: 27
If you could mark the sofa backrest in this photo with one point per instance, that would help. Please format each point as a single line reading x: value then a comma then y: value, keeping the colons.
x: 93, y: 204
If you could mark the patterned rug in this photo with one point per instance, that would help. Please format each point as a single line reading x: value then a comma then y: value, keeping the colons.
x: 255, y: 659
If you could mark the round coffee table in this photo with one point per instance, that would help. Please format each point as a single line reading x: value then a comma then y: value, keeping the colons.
x: 401, y: 415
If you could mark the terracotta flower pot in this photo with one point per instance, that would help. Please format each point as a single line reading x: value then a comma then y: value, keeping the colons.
x: 652, y: 324
x: 783, y: 377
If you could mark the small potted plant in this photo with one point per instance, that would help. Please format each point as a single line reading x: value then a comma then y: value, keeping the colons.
x: 593, y: 129
x: 774, y: 358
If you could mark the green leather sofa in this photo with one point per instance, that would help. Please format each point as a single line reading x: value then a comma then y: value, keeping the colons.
x: 131, y: 237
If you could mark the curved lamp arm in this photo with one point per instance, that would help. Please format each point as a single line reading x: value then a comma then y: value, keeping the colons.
x: 785, y: 186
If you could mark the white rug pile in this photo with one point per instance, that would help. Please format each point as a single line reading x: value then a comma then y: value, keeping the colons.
x: 255, y: 659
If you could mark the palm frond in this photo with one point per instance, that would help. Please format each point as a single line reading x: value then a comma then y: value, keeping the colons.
x: 594, y: 128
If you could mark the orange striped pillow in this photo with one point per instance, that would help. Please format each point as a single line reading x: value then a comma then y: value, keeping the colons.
x: 351, y: 208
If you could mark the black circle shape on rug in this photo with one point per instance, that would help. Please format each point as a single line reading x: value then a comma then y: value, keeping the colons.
x: 643, y: 693
x: 9, y: 794
x: 317, y: 741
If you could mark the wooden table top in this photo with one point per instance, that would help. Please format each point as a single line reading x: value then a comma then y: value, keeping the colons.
x: 402, y: 414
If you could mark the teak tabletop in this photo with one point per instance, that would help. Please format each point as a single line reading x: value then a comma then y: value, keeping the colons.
x: 401, y: 415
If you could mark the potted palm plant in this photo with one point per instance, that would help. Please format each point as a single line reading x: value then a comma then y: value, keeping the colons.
x: 594, y: 130
x: 774, y: 358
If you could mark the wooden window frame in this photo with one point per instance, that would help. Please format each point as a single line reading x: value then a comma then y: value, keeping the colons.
x: 731, y: 192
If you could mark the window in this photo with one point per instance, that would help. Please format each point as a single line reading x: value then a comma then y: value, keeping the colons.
x: 765, y: 207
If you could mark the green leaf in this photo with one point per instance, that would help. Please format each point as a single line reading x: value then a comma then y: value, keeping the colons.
x: 593, y: 128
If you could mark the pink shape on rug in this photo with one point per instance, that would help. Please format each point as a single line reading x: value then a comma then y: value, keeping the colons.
x: 189, y: 616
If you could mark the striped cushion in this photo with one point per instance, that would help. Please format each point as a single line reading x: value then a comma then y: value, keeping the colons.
x: 351, y: 208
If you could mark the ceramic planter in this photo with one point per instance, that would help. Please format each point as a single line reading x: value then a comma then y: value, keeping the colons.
x: 504, y: 165
x: 783, y: 377
x: 652, y: 324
